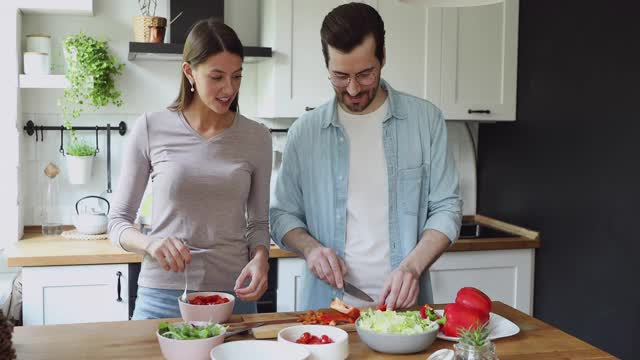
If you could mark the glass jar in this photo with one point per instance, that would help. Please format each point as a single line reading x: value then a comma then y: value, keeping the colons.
x: 468, y: 352
x: 51, y: 224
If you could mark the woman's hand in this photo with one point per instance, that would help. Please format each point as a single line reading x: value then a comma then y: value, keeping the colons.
x: 171, y: 253
x: 258, y: 271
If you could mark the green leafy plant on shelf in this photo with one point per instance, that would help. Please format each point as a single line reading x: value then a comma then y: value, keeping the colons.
x: 91, y: 71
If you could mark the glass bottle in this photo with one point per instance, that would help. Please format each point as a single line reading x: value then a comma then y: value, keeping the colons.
x: 470, y: 352
x: 51, y: 224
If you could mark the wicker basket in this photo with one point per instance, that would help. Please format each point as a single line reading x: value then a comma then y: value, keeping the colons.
x: 141, y: 26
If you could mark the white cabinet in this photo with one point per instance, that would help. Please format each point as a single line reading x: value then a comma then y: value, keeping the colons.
x: 295, y: 78
x: 289, y: 291
x: 406, y: 31
x: 472, y: 61
x: 75, y: 294
x: 462, y: 59
x: 504, y: 275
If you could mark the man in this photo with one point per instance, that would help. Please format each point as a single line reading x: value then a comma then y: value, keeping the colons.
x: 367, y: 191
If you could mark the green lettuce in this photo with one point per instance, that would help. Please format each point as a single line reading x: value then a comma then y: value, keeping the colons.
x: 392, y: 322
x: 190, y: 332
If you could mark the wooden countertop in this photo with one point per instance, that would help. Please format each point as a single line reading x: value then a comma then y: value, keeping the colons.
x: 137, y: 340
x: 38, y: 250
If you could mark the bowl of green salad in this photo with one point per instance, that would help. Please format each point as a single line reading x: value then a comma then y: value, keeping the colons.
x: 189, y: 340
x: 396, y: 332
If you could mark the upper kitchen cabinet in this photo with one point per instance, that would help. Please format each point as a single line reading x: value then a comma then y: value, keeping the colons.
x: 296, y: 79
x: 405, y: 36
x: 472, y: 61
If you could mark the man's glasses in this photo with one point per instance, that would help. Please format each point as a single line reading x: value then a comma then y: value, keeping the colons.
x: 365, y: 78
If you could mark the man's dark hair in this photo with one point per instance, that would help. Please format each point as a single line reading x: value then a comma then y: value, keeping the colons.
x: 346, y: 27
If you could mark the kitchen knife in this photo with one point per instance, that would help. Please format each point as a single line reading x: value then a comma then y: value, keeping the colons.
x: 355, y: 292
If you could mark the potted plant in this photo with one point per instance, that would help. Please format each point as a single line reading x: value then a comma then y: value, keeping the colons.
x: 91, y: 71
x: 474, y: 344
x: 147, y: 27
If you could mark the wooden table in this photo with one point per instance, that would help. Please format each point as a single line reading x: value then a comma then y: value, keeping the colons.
x: 137, y: 340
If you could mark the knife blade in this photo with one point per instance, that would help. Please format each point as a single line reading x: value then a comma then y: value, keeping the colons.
x: 350, y: 289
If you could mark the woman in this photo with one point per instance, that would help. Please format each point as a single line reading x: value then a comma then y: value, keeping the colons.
x: 210, y: 168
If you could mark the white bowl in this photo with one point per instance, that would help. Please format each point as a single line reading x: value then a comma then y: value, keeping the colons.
x: 338, y: 350
x: 259, y: 349
x: 397, y: 343
x: 219, y: 313
x: 188, y: 349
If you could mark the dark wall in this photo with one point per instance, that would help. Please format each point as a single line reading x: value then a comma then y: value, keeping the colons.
x: 570, y: 166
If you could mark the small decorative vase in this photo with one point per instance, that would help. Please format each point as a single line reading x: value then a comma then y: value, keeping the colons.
x: 470, y: 352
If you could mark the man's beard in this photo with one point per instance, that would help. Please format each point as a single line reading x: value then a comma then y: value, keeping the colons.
x: 362, y: 105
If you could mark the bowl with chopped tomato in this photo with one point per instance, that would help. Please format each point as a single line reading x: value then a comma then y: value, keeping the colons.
x: 322, y: 341
x: 189, y: 340
x: 208, y: 306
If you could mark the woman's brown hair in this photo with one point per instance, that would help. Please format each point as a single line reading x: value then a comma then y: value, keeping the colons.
x: 207, y: 37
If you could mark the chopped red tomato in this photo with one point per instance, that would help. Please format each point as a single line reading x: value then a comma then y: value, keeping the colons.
x: 308, y: 339
x: 382, y: 307
x: 208, y: 300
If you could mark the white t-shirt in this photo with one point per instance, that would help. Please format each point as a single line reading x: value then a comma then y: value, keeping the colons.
x: 367, y: 239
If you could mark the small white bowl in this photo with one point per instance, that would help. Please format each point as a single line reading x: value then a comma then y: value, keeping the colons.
x: 259, y: 349
x: 173, y: 349
x: 219, y: 313
x: 338, y: 350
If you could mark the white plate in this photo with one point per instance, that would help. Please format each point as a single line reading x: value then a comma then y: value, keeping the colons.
x: 500, y: 327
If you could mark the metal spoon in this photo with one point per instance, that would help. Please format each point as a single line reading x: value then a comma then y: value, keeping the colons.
x: 184, y: 298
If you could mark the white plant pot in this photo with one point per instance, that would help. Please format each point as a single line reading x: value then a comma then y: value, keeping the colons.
x: 79, y: 169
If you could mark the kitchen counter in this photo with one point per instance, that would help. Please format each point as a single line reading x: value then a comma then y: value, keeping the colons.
x: 137, y: 340
x: 35, y: 249
x: 38, y: 250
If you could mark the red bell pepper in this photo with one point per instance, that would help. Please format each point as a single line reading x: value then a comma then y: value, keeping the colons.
x: 342, y: 307
x: 459, y: 317
x: 333, y: 318
x: 474, y: 299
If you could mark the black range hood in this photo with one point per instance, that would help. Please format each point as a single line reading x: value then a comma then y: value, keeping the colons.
x: 189, y: 11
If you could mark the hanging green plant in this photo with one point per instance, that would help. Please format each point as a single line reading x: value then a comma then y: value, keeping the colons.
x: 91, y: 71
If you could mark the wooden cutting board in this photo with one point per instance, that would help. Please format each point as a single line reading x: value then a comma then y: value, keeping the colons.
x: 271, y: 331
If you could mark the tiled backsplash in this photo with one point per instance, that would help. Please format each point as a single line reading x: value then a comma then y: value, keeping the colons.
x: 36, y: 155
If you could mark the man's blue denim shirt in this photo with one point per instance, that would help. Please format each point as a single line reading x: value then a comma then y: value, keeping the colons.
x: 311, y: 190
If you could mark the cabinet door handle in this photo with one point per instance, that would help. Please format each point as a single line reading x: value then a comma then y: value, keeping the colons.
x: 485, y: 111
x: 119, y: 274
x: 308, y: 108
